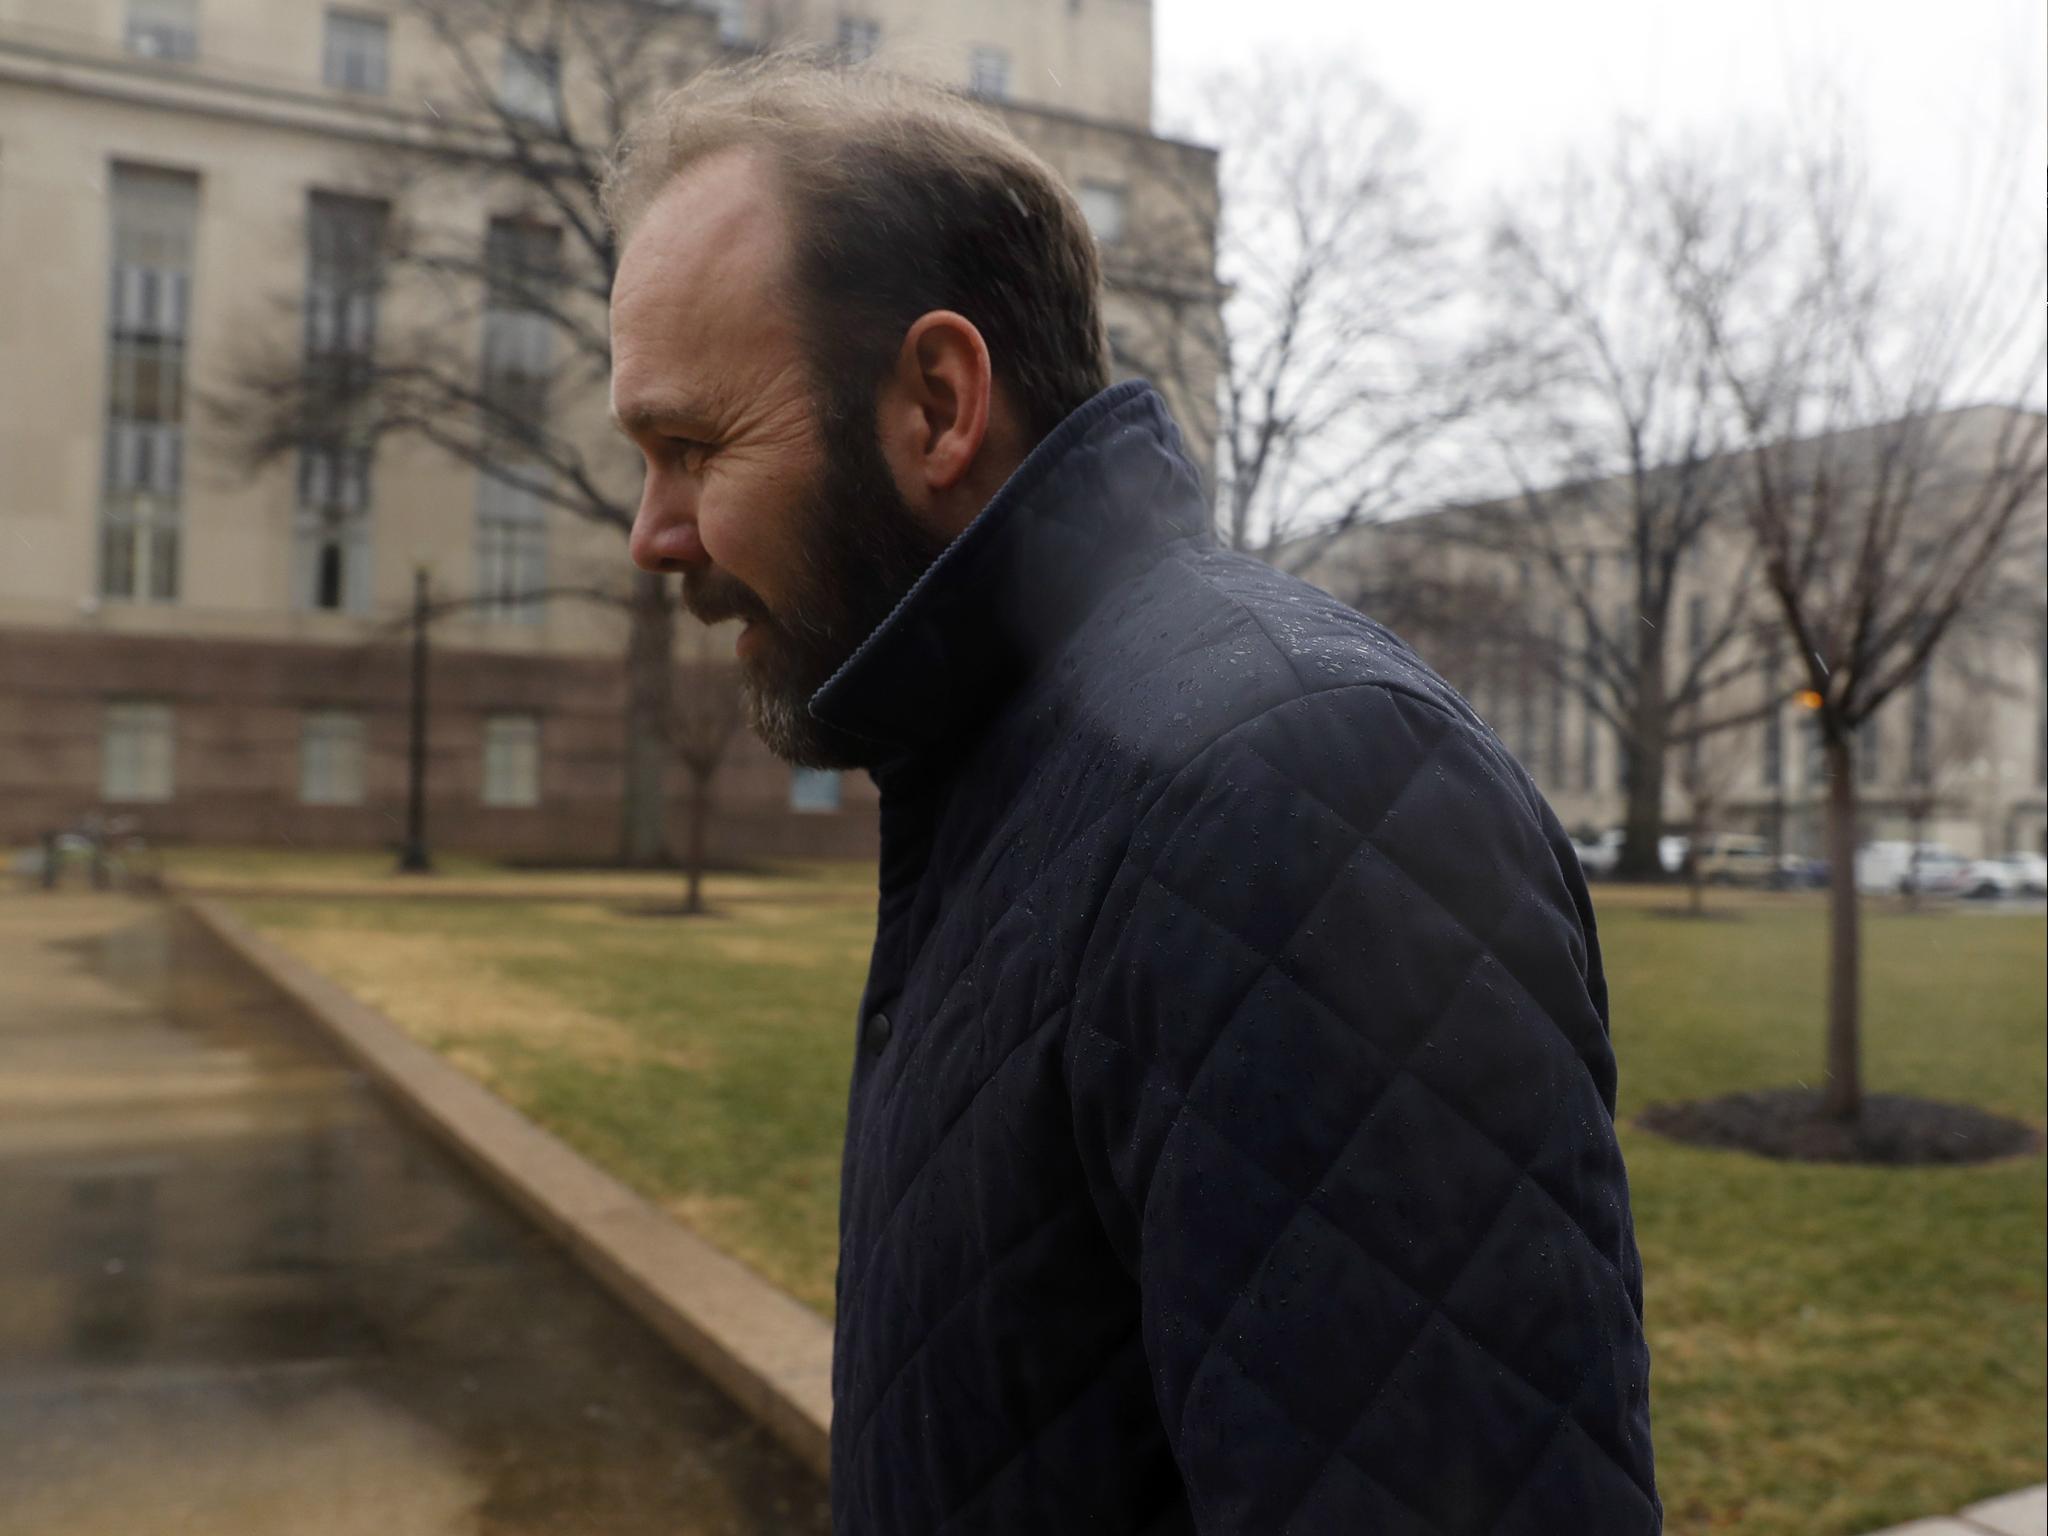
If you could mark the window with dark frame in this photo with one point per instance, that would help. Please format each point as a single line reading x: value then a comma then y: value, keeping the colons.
x: 162, y: 29
x: 154, y: 215
x: 1103, y: 206
x: 988, y: 73
x: 511, y: 760
x: 522, y: 263
x: 530, y: 84
x: 354, y: 54
x: 344, y: 280
x: 331, y: 758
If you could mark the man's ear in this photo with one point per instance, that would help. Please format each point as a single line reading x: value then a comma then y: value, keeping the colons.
x: 935, y: 406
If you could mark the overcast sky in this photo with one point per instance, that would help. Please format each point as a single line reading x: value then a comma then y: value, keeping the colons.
x: 1502, y: 86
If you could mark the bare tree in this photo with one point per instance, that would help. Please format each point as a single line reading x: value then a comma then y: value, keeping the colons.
x: 1883, y: 514
x: 1612, y: 424
x: 1321, y: 378
x: 536, y: 93
x: 706, y: 715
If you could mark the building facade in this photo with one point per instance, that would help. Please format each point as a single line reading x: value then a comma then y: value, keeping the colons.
x: 1959, y: 757
x: 187, y: 188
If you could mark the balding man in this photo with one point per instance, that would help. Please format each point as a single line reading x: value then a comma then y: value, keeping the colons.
x: 1230, y: 1145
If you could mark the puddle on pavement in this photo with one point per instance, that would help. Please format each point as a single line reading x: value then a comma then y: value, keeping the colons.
x: 238, y: 1296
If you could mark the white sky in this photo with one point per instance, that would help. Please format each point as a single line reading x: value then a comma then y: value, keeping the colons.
x: 1502, y: 87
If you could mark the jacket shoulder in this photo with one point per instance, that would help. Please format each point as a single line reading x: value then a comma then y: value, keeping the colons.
x: 1206, y: 645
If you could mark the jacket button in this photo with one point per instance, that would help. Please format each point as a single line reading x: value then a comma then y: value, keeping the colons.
x: 877, y: 1034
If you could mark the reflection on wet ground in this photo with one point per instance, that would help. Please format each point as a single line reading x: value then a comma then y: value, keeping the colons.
x: 237, y: 1296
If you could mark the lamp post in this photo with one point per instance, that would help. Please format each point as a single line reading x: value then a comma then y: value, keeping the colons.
x: 414, y: 860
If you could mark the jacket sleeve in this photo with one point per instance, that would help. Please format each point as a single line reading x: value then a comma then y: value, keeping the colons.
x: 1343, y: 1092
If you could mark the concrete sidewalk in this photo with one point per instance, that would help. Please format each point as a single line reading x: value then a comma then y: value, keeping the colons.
x: 771, y: 1355
x: 239, y: 1294
x: 2024, y: 1513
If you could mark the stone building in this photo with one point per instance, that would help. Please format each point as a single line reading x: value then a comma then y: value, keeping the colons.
x: 1961, y: 755
x: 219, y: 651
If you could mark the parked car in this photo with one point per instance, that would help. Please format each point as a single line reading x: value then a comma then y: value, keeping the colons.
x: 1800, y: 874
x: 1599, y: 857
x: 1734, y: 858
x: 1890, y: 868
x: 2017, y: 874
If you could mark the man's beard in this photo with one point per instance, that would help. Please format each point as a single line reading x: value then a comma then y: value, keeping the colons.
x: 861, y: 549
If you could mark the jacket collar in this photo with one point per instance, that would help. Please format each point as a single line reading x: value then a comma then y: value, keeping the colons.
x: 1110, y: 485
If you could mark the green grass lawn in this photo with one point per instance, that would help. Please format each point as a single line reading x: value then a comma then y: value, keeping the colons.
x: 1834, y: 1349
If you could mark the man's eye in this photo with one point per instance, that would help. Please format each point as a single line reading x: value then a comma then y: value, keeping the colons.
x: 689, y: 449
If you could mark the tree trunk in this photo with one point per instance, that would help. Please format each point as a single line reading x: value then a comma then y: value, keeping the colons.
x: 1644, y: 747
x: 650, y: 671
x: 700, y: 819
x: 1843, y: 1099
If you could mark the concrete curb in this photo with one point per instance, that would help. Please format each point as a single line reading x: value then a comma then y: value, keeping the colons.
x: 768, y: 1352
x: 2023, y: 1512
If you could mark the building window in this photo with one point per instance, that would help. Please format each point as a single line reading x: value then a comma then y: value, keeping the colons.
x: 511, y: 544
x: 2041, y: 711
x: 1124, y: 362
x: 150, y: 290
x: 163, y: 29
x: 331, y: 758
x: 135, y: 752
x: 813, y: 790
x: 1814, y: 769
x: 1869, y: 751
x: 355, y: 53
x: 331, y: 526
x: 1102, y: 205
x: 1589, y: 739
x: 522, y: 266
x: 859, y: 39
x: 1696, y: 645
x: 988, y: 73
x: 1774, y: 723
x: 530, y: 84
x: 1589, y: 746
x: 1624, y: 751
x: 1553, y: 767
x: 511, y: 760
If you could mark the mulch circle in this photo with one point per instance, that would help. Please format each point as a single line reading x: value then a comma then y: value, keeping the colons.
x: 1895, y: 1129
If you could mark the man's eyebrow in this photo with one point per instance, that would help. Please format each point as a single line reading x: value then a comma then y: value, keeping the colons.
x: 653, y: 415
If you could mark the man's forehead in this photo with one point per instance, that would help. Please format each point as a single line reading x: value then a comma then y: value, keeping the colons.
x: 713, y: 234
x: 700, y: 276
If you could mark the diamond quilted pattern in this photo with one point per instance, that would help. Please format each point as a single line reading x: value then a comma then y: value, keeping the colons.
x: 1243, y: 1158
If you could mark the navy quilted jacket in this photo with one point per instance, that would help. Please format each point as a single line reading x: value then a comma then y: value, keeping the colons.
x: 1231, y: 1144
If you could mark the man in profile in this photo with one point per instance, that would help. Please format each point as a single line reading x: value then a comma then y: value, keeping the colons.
x: 1230, y: 1144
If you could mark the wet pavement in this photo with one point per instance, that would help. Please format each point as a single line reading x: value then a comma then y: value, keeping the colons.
x: 239, y: 1296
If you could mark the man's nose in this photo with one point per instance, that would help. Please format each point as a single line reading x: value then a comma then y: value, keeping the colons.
x: 665, y: 534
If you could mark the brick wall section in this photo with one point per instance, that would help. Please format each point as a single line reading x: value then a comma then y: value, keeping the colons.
x: 238, y: 706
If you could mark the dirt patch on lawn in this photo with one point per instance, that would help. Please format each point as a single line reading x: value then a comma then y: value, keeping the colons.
x: 1894, y: 1129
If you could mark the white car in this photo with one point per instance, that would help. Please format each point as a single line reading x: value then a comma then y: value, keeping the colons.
x: 1598, y: 858
x: 2017, y: 874
x: 1888, y: 868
